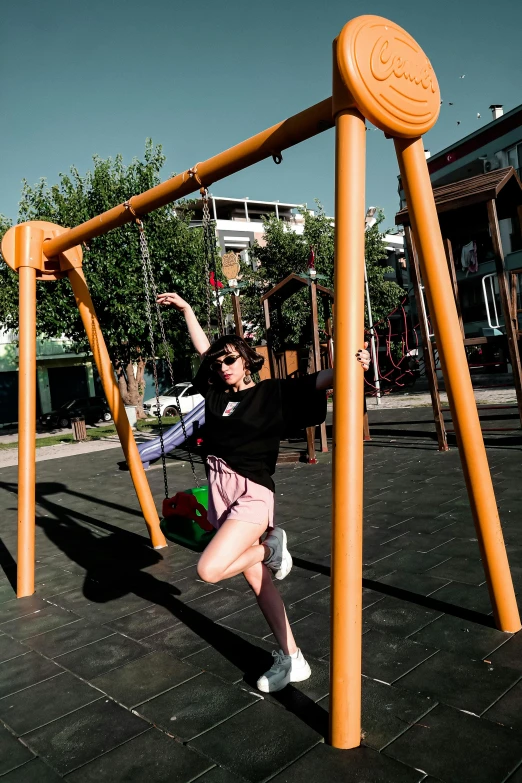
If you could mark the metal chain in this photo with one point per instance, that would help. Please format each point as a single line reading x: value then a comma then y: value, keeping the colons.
x: 209, y: 243
x: 150, y: 285
x: 206, y: 253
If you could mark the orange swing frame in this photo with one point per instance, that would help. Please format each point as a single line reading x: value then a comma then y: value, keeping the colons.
x: 382, y: 74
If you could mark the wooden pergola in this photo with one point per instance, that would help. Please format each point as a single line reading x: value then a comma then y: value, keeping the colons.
x: 275, y: 298
x: 464, y: 209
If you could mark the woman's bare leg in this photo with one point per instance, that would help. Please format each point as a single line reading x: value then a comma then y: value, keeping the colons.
x: 234, y: 549
x: 271, y: 604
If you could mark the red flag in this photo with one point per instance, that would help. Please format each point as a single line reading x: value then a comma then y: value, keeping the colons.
x: 215, y: 283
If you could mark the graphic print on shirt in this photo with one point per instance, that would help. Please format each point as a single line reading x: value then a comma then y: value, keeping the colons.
x: 231, y: 407
x: 248, y: 438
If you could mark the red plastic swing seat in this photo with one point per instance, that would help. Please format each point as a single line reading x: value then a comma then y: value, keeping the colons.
x: 185, y: 519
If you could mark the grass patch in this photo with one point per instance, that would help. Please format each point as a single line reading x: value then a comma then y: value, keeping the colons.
x: 52, y: 440
x: 151, y: 425
x: 97, y: 433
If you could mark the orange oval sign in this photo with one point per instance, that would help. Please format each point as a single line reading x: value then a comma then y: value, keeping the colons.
x: 391, y: 79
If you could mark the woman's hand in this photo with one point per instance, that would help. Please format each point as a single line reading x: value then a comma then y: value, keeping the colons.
x: 325, y: 377
x: 363, y: 357
x: 173, y: 299
x: 197, y: 335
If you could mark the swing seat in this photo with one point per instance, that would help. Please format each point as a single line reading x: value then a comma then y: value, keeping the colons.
x: 185, y: 519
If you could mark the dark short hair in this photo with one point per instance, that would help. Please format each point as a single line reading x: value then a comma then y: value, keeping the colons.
x: 253, y: 360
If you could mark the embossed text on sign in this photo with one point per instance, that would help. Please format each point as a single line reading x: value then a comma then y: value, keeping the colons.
x: 386, y: 60
x: 389, y: 76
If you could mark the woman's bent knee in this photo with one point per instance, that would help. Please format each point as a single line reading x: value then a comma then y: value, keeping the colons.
x: 208, y: 573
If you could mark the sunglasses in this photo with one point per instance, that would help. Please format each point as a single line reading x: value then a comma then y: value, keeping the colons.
x: 228, y: 360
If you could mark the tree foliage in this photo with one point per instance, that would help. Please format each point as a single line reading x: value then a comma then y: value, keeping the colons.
x: 114, y: 275
x: 285, y: 252
x: 112, y: 265
x: 385, y: 294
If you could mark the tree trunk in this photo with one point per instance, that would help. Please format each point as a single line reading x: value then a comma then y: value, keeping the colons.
x: 132, y: 384
x: 132, y: 388
x: 122, y: 382
x: 140, y: 380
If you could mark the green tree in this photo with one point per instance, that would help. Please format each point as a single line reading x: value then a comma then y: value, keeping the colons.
x: 285, y: 252
x: 112, y: 266
x: 385, y: 295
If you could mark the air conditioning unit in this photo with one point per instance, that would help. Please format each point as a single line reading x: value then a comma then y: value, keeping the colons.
x: 491, y: 164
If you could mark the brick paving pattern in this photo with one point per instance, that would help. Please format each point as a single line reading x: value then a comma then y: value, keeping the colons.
x: 125, y: 667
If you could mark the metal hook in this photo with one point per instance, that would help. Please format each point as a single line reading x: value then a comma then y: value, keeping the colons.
x: 129, y: 206
x: 193, y: 172
x: 137, y: 220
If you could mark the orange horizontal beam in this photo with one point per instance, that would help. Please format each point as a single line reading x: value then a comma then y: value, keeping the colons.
x: 287, y: 133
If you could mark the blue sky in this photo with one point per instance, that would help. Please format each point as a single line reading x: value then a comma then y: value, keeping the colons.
x: 80, y: 78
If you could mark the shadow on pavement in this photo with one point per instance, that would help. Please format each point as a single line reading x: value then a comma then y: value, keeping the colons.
x: 406, y: 595
x: 114, y: 568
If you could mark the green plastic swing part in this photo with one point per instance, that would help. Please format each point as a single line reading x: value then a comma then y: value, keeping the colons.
x: 186, y: 532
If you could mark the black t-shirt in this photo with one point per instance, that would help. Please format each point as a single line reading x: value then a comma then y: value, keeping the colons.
x: 245, y: 428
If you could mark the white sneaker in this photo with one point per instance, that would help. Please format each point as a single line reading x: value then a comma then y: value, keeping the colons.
x: 285, y: 669
x: 280, y: 561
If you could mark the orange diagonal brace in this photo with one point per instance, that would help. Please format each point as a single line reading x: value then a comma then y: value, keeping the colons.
x: 287, y: 133
x: 426, y: 230
x: 112, y: 394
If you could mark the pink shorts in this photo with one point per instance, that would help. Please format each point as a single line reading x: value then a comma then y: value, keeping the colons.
x: 231, y: 496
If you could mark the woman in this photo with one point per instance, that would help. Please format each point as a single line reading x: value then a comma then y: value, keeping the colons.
x: 243, y: 427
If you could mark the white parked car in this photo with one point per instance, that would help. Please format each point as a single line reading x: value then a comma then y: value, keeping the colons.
x: 188, y: 399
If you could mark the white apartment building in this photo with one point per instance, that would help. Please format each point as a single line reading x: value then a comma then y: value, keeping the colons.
x: 239, y: 221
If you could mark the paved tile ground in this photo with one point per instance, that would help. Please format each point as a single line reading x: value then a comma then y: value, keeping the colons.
x: 420, y: 398
x: 8, y: 458
x: 125, y: 667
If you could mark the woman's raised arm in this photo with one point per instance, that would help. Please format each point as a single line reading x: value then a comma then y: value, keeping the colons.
x: 197, y: 335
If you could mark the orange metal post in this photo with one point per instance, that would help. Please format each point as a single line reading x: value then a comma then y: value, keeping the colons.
x: 428, y: 240
x: 274, y: 140
x: 24, y: 259
x: 112, y: 393
x: 345, y: 663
